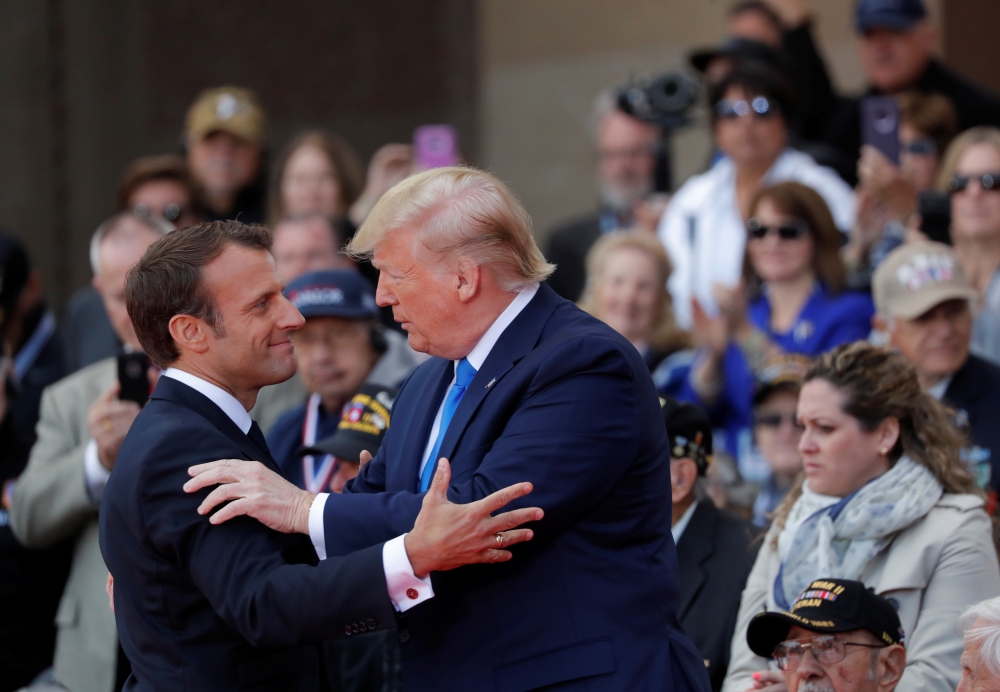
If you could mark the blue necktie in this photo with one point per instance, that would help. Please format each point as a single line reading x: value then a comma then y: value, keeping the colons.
x: 464, y: 373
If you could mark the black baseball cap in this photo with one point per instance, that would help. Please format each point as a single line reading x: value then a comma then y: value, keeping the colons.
x: 738, y: 49
x: 333, y: 293
x: 15, y: 268
x: 896, y: 15
x: 362, y: 425
x: 689, y: 432
x: 828, y: 606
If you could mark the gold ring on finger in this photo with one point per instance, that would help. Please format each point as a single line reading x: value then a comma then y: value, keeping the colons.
x: 499, y: 538
x: 107, y: 425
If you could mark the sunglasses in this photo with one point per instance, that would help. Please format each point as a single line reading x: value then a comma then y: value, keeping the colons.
x: 988, y: 181
x: 171, y: 212
x: 760, y: 107
x: 924, y: 146
x: 774, y: 420
x: 791, y: 230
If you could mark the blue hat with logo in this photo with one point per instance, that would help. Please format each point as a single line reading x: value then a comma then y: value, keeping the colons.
x: 897, y: 15
x: 333, y: 293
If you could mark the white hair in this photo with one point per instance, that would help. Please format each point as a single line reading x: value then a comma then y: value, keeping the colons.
x: 153, y: 223
x: 981, y: 627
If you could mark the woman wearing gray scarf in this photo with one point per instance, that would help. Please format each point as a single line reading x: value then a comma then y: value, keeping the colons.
x: 885, y: 500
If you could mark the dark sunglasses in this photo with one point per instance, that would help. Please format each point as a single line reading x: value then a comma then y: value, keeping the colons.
x: 792, y: 230
x: 171, y: 212
x: 774, y: 420
x: 924, y: 146
x: 989, y: 181
x: 760, y: 107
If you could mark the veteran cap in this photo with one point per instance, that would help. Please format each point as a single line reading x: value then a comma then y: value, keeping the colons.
x: 227, y: 109
x: 917, y: 277
x: 828, y: 606
x: 362, y: 425
x: 333, y: 293
x: 896, y: 15
x: 689, y: 432
x: 784, y: 372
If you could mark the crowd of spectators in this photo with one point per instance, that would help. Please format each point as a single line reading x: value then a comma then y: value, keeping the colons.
x: 822, y: 320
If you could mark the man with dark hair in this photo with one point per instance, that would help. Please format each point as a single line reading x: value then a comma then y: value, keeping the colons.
x: 160, y: 186
x: 83, y: 422
x: 213, y: 604
x: 30, y: 360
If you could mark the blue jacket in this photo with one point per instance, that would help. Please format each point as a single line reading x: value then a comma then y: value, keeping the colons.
x: 202, y: 607
x: 285, y: 437
x: 591, y: 603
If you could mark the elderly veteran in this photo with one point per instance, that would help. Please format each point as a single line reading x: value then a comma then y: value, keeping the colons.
x: 715, y: 551
x: 922, y: 302
x: 838, y: 637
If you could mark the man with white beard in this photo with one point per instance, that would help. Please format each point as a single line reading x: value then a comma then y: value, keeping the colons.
x: 627, y: 150
x: 838, y: 637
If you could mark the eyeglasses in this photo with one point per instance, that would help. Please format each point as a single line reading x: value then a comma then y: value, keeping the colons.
x: 988, y: 181
x: 923, y: 146
x: 761, y: 107
x: 774, y: 420
x: 827, y: 650
x: 171, y: 212
x: 791, y: 230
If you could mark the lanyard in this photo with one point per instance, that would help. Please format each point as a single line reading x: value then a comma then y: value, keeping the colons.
x: 316, y: 480
x: 33, y: 347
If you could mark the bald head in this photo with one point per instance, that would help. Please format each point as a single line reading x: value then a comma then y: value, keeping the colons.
x: 118, y: 244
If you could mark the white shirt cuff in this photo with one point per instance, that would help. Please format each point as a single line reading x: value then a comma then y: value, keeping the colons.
x: 316, y: 531
x: 405, y: 589
x: 95, y: 475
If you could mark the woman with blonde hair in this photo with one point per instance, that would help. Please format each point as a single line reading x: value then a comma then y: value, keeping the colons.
x: 627, y: 273
x: 970, y: 172
x: 886, y: 500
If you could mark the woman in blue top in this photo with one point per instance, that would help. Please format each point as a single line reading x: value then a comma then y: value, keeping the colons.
x: 794, y: 279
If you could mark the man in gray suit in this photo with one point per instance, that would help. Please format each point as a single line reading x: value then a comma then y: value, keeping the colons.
x: 82, y: 425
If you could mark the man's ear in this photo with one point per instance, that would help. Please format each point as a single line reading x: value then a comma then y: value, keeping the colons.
x: 892, y: 663
x: 469, y: 277
x: 683, y: 475
x: 189, y: 333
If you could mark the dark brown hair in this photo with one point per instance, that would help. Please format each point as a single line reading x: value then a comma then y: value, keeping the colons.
x: 146, y: 169
x: 932, y: 114
x: 346, y: 164
x: 877, y: 383
x: 167, y: 281
x: 801, y: 202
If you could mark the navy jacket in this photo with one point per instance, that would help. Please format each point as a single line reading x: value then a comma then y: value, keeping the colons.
x: 716, y: 553
x: 591, y: 603
x: 974, y: 391
x: 202, y: 607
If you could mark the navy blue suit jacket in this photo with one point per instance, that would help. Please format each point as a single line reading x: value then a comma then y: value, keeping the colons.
x: 591, y: 603
x: 202, y: 607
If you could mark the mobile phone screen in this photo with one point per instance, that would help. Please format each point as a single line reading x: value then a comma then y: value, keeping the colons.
x: 880, y: 125
x: 435, y: 146
x: 133, y: 378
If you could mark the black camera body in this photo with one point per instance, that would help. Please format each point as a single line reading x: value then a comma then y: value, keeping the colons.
x: 665, y: 100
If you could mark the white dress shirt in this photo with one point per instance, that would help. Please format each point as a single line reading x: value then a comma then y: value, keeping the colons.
x: 704, y: 233
x: 399, y: 575
x: 677, y: 530
x: 404, y: 583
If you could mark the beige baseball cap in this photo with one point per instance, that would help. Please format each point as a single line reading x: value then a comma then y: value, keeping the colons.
x: 916, y: 277
x: 230, y: 109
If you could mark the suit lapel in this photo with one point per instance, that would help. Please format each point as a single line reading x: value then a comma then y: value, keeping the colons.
x: 694, y: 549
x: 170, y: 389
x: 417, y: 429
x: 516, y: 341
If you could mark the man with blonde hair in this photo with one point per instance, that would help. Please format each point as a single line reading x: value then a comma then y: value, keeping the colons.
x: 522, y: 386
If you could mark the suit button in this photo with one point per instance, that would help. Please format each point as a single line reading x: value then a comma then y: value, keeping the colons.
x: 404, y: 636
x: 412, y: 594
x: 371, y: 624
x: 347, y: 630
x: 355, y: 628
x: 363, y: 627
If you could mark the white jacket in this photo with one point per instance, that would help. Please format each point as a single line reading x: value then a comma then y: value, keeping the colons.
x: 932, y: 571
x: 704, y: 213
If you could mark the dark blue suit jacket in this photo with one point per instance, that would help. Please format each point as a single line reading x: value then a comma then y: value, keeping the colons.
x: 591, y: 603
x: 202, y: 607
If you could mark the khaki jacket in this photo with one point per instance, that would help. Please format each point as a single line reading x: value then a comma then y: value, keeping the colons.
x: 932, y: 571
x: 51, y: 503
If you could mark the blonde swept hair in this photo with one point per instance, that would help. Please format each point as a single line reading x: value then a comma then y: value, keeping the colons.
x: 462, y: 212
x: 666, y: 335
x: 972, y: 136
